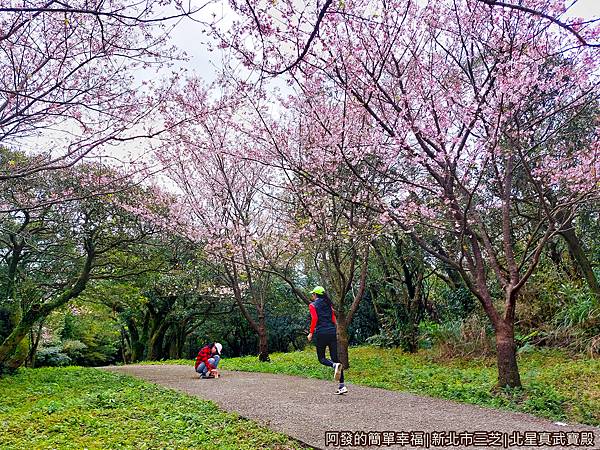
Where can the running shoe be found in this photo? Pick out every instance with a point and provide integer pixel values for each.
(341, 390)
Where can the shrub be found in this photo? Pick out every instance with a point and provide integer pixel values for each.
(469, 337)
(576, 325)
(74, 349)
(52, 357)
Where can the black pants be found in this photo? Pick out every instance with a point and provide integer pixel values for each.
(327, 340)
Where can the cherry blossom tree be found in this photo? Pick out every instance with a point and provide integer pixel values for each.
(278, 37)
(326, 213)
(336, 238)
(72, 79)
(472, 101)
(261, 219)
(223, 198)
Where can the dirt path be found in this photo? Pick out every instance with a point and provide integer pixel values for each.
(306, 409)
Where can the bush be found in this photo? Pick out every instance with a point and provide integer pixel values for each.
(383, 340)
(563, 309)
(396, 334)
(454, 303)
(89, 337)
(74, 349)
(576, 325)
(469, 337)
(52, 357)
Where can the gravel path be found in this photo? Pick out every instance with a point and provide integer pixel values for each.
(306, 409)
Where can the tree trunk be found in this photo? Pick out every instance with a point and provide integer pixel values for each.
(180, 344)
(137, 351)
(177, 341)
(12, 341)
(155, 343)
(263, 340)
(506, 349)
(343, 341)
(412, 338)
(19, 356)
(576, 249)
(123, 346)
(259, 327)
(137, 345)
(34, 341)
(555, 255)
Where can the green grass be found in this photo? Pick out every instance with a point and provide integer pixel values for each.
(77, 408)
(555, 385)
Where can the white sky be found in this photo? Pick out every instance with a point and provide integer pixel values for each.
(586, 8)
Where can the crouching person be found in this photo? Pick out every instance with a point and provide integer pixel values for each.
(208, 359)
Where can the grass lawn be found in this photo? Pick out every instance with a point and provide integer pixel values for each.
(78, 408)
(556, 386)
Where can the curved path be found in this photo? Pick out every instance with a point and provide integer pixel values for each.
(307, 410)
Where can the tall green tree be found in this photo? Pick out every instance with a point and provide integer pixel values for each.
(52, 248)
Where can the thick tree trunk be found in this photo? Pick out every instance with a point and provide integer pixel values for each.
(506, 348)
(181, 344)
(343, 341)
(123, 346)
(10, 345)
(177, 342)
(263, 340)
(136, 344)
(137, 350)
(19, 356)
(155, 343)
(12, 341)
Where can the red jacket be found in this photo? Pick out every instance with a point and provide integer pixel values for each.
(203, 355)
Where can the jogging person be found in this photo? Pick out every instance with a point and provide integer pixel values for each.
(323, 332)
(208, 359)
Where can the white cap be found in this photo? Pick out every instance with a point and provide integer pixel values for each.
(219, 347)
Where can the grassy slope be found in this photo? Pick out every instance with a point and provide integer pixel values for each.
(76, 408)
(556, 386)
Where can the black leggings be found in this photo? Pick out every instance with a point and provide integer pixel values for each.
(327, 340)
